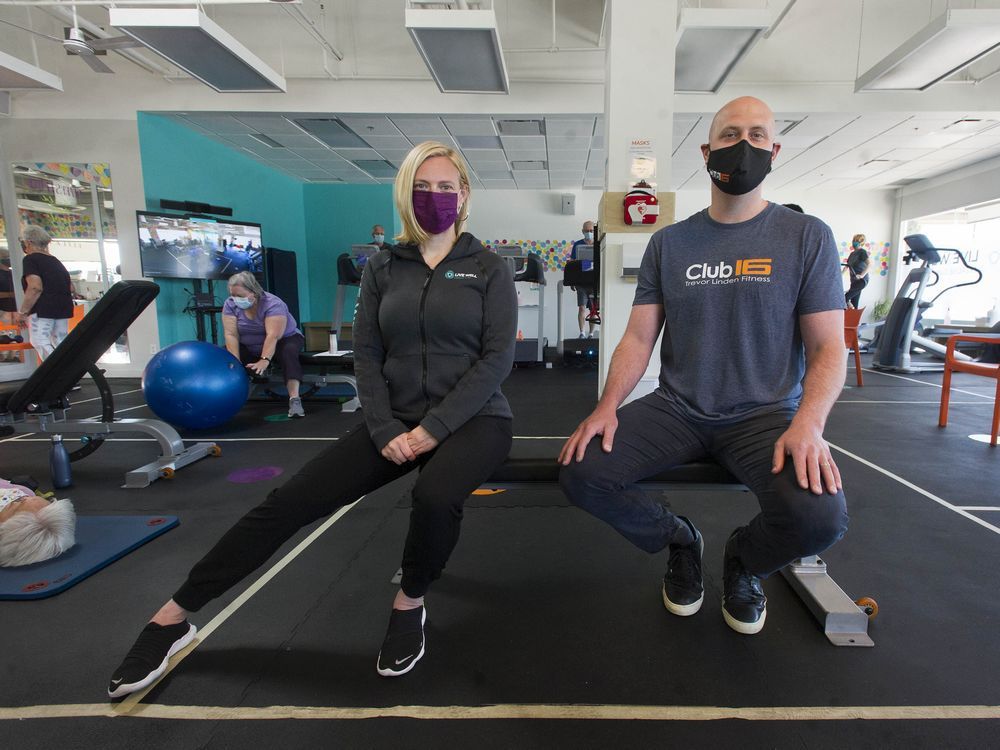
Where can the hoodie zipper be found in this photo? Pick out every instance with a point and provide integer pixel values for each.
(423, 340)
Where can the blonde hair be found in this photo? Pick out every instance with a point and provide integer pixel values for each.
(31, 537)
(860, 238)
(412, 232)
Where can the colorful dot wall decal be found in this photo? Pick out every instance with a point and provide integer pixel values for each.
(552, 253)
(879, 254)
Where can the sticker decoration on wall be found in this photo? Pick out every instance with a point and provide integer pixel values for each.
(553, 253)
(879, 254)
(96, 173)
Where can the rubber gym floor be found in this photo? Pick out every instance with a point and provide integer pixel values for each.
(547, 629)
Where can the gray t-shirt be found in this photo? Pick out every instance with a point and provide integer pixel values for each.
(732, 295)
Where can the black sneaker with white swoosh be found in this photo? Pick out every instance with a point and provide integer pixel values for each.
(404, 642)
(148, 657)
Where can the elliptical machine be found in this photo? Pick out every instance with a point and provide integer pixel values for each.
(900, 331)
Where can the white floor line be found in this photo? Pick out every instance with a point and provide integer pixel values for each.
(98, 398)
(279, 438)
(508, 711)
(979, 508)
(97, 418)
(915, 488)
(921, 382)
(928, 403)
(130, 702)
(26, 438)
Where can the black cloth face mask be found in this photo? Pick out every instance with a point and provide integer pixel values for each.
(739, 168)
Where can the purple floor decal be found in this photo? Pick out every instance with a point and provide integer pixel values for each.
(255, 474)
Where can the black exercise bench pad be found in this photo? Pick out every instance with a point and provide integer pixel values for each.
(546, 470)
(85, 344)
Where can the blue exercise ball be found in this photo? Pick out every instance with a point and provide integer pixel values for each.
(195, 384)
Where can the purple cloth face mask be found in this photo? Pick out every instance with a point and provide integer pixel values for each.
(435, 212)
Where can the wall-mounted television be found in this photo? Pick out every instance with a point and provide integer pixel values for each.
(187, 247)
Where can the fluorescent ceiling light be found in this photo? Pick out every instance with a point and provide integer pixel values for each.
(196, 44)
(17, 74)
(711, 42)
(947, 44)
(461, 48)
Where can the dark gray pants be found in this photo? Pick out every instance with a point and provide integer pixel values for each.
(340, 474)
(654, 435)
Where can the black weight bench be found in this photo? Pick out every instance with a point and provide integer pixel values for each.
(39, 404)
(844, 622)
(333, 370)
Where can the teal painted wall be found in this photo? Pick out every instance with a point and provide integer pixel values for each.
(338, 216)
(180, 164)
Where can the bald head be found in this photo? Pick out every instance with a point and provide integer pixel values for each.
(741, 112)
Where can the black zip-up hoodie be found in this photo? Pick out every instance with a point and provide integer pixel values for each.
(431, 347)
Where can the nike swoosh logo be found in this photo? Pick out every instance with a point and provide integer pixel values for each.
(400, 661)
(116, 682)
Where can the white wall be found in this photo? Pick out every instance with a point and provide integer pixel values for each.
(113, 142)
(535, 215)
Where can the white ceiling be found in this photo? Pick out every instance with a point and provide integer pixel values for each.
(826, 151)
(832, 139)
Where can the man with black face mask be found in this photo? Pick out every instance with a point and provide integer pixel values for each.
(748, 296)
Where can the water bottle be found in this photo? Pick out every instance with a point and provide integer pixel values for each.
(333, 342)
(59, 464)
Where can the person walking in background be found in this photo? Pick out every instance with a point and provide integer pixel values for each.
(48, 293)
(583, 296)
(858, 263)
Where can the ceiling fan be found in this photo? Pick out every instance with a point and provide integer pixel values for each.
(84, 46)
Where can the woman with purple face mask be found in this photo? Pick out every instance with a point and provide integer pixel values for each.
(433, 340)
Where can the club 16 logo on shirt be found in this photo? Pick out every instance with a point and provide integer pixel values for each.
(744, 270)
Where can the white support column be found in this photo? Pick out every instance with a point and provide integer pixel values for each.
(638, 103)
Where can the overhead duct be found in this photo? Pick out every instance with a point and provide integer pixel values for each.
(197, 45)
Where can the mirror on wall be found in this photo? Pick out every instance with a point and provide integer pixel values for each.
(73, 203)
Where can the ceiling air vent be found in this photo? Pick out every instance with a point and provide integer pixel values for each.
(265, 139)
(332, 132)
(527, 166)
(521, 127)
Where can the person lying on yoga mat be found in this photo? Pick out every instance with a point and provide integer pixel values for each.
(746, 296)
(434, 338)
(33, 529)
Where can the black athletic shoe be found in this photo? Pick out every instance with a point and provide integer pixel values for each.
(744, 605)
(683, 591)
(148, 658)
(404, 642)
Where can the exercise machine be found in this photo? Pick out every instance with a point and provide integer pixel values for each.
(901, 332)
(40, 404)
(580, 350)
(349, 268)
(321, 370)
(528, 269)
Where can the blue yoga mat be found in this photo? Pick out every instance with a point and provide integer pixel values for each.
(100, 540)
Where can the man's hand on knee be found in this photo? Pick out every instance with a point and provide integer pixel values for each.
(815, 468)
(598, 423)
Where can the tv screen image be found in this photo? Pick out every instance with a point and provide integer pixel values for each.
(182, 247)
